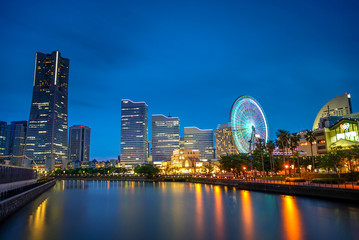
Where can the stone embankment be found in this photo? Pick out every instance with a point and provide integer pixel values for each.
(12, 204)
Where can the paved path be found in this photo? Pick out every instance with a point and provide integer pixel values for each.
(9, 186)
(347, 185)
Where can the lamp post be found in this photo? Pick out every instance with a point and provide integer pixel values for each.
(285, 171)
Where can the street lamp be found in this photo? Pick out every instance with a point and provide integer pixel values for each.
(285, 171)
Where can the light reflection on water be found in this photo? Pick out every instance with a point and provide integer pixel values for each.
(291, 219)
(78, 209)
(37, 221)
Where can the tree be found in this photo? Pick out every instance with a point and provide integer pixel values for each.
(147, 169)
(334, 159)
(310, 137)
(283, 141)
(260, 146)
(270, 148)
(293, 144)
(234, 163)
(353, 154)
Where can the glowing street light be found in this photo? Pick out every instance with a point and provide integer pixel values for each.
(285, 171)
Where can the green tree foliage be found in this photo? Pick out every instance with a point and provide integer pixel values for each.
(310, 137)
(149, 170)
(261, 146)
(234, 163)
(270, 149)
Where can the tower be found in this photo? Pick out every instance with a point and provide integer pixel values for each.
(46, 141)
(165, 137)
(195, 138)
(134, 132)
(79, 146)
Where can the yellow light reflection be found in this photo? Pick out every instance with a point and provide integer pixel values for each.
(247, 215)
(37, 221)
(199, 211)
(219, 218)
(291, 218)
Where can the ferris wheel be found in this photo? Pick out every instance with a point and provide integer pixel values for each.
(248, 123)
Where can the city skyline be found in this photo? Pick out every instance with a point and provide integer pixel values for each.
(199, 64)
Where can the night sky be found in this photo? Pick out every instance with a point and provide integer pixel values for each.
(189, 58)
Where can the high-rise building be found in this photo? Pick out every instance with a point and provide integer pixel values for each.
(165, 137)
(3, 142)
(79, 147)
(224, 141)
(195, 138)
(46, 141)
(16, 141)
(338, 106)
(134, 132)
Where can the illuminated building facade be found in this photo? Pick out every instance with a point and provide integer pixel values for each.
(343, 133)
(224, 143)
(46, 141)
(338, 106)
(3, 137)
(195, 138)
(165, 137)
(304, 146)
(16, 141)
(79, 147)
(185, 158)
(134, 132)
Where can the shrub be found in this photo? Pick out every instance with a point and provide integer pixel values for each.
(288, 179)
(328, 180)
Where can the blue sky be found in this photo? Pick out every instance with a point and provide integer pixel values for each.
(189, 58)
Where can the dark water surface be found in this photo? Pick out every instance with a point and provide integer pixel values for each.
(138, 210)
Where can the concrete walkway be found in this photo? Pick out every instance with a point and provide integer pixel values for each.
(9, 186)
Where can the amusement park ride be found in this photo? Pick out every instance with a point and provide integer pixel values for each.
(248, 123)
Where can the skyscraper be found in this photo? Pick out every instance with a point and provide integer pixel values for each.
(134, 132)
(16, 141)
(79, 147)
(195, 138)
(3, 142)
(46, 141)
(165, 137)
(224, 141)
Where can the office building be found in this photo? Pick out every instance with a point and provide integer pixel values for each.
(16, 142)
(195, 138)
(46, 141)
(337, 107)
(224, 143)
(165, 137)
(3, 142)
(79, 147)
(134, 132)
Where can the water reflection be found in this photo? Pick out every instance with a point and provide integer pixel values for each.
(219, 213)
(37, 221)
(291, 218)
(199, 211)
(175, 211)
(247, 215)
(74, 184)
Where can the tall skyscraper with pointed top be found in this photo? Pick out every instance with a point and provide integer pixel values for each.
(46, 141)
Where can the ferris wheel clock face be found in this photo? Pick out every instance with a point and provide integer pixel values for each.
(247, 121)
